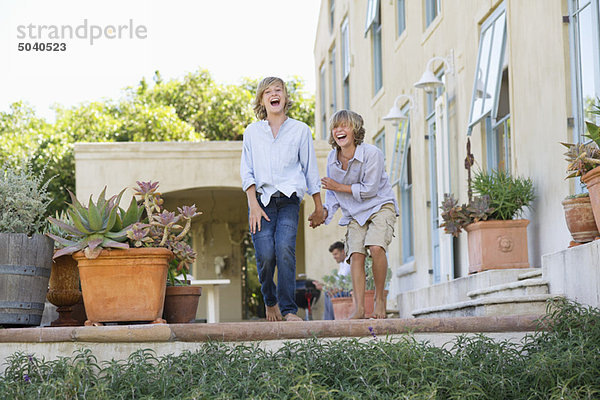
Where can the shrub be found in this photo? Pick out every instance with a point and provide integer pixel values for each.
(23, 199)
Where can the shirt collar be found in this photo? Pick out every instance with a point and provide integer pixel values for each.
(359, 155)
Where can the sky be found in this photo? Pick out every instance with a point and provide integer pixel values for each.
(232, 39)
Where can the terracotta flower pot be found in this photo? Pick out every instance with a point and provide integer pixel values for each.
(580, 219)
(64, 290)
(592, 181)
(497, 244)
(181, 304)
(343, 307)
(124, 285)
(369, 302)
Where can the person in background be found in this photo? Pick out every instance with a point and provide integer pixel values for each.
(339, 255)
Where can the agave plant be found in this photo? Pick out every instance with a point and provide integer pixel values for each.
(92, 228)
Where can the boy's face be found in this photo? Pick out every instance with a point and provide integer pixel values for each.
(274, 99)
(343, 135)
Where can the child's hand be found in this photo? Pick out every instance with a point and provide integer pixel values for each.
(330, 184)
(317, 217)
(256, 214)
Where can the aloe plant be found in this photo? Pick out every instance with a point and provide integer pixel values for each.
(92, 228)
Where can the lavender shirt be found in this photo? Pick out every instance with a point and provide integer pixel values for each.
(371, 188)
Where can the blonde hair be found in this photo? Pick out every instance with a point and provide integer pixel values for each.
(350, 119)
(259, 109)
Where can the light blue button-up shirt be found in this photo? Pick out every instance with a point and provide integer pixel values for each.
(371, 188)
(286, 163)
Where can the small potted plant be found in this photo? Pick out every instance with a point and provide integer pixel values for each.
(123, 256)
(25, 254)
(181, 299)
(579, 215)
(339, 288)
(495, 238)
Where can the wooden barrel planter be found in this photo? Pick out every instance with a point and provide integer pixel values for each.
(25, 264)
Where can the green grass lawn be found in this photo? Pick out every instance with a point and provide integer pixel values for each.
(559, 362)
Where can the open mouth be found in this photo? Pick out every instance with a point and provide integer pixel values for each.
(341, 136)
(275, 102)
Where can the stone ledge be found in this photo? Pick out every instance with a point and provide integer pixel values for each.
(258, 331)
(531, 274)
(539, 298)
(505, 286)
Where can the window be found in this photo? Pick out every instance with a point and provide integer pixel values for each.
(432, 10)
(401, 175)
(346, 64)
(490, 99)
(333, 80)
(401, 16)
(373, 23)
(379, 142)
(585, 60)
(331, 14)
(322, 84)
(492, 43)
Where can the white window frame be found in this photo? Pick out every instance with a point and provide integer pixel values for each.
(372, 15)
(433, 8)
(345, 63)
(577, 100)
(484, 81)
(379, 142)
(400, 176)
(400, 16)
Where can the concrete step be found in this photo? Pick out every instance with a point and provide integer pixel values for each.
(532, 274)
(524, 287)
(493, 306)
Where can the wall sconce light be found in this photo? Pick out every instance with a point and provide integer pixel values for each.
(429, 82)
(395, 115)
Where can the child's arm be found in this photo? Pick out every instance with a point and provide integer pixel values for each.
(367, 186)
(249, 186)
(308, 160)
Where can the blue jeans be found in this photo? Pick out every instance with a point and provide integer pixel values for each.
(275, 244)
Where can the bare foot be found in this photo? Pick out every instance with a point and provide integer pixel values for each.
(273, 313)
(379, 312)
(292, 317)
(358, 314)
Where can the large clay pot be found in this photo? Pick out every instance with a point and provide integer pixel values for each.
(124, 285)
(580, 219)
(343, 307)
(181, 304)
(63, 289)
(592, 181)
(497, 245)
(25, 264)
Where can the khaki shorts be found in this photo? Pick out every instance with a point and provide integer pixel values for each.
(377, 231)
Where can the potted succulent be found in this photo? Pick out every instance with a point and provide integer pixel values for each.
(123, 255)
(495, 239)
(25, 254)
(181, 299)
(579, 215)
